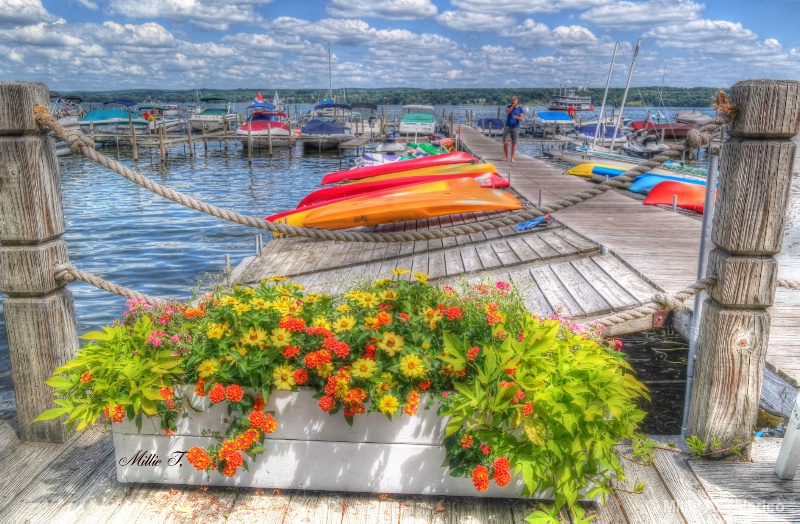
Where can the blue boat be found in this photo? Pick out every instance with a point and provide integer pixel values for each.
(644, 183)
(115, 118)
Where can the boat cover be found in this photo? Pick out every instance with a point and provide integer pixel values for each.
(486, 123)
(606, 131)
(550, 117)
(334, 104)
(321, 127)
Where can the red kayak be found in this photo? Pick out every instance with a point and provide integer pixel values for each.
(395, 167)
(690, 196)
(349, 190)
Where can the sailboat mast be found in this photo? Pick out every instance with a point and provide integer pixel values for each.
(603, 106)
(330, 74)
(625, 94)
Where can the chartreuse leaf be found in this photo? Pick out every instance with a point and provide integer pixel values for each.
(97, 335)
(453, 426)
(50, 414)
(58, 382)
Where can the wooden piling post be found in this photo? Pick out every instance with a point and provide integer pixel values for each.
(752, 200)
(189, 138)
(39, 311)
(134, 149)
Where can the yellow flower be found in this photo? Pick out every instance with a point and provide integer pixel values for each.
(368, 300)
(287, 306)
(388, 404)
(207, 368)
(254, 337)
(386, 383)
(345, 323)
(314, 297)
(215, 330)
(249, 291)
(422, 278)
(325, 370)
(363, 368)
(283, 291)
(344, 308)
(242, 351)
(412, 366)
(228, 300)
(280, 337)
(276, 278)
(371, 323)
(321, 322)
(382, 281)
(241, 308)
(389, 295)
(432, 316)
(297, 286)
(399, 271)
(284, 377)
(425, 345)
(260, 303)
(391, 343)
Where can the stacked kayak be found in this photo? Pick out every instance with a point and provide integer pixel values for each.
(396, 167)
(690, 196)
(400, 204)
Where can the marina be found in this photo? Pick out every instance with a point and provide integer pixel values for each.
(578, 265)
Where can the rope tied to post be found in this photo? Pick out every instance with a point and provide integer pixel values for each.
(69, 273)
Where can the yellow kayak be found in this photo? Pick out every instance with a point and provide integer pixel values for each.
(585, 170)
(443, 197)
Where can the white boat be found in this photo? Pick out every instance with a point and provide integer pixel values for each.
(333, 110)
(417, 120)
(68, 110)
(115, 118)
(692, 116)
(563, 101)
(216, 114)
(162, 116)
(554, 122)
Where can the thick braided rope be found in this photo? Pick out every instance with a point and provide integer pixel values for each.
(791, 284)
(659, 302)
(82, 145)
(69, 273)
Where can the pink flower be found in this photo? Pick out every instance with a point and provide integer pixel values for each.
(175, 338)
(502, 285)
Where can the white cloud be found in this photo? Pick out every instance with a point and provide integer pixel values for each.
(144, 35)
(703, 34)
(527, 29)
(23, 12)
(86, 4)
(205, 14)
(515, 7)
(391, 9)
(470, 21)
(630, 14)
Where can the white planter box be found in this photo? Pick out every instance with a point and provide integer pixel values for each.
(310, 450)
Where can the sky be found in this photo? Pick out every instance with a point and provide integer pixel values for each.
(267, 45)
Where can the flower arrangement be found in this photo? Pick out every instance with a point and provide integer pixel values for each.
(525, 396)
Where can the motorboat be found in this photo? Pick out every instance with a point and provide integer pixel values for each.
(116, 117)
(643, 145)
(563, 101)
(217, 114)
(322, 134)
(166, 116)
(557, 122)
(264, 124)
(490, 126)
(692, 116)
(417, 120)
(68, 111)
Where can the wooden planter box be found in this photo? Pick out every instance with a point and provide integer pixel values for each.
(310, 450)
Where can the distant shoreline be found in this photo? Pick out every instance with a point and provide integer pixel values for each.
(641, 96)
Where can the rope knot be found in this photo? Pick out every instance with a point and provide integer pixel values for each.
(723, 105)
(695, 139)
(672, 303)
(65, 273)
(77, 141)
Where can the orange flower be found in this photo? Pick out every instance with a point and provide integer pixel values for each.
(480, 478)
(301, 376)
(198, 458)
(86, 377)
(165, 392)
(259, 404)
(527, 409)
(200, 387)
(466, 441)
(327, 403)
(234, 393)
(217, 393)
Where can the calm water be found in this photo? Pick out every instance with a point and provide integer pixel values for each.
(132, 237)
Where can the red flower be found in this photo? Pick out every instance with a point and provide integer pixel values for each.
(480, 478)
(301, 376)
(473, 352)
(453, 313)
(327, 403)
(485, 449)
(318, 331)
(502, 478)
(170, 403)
(312, 360)
(291, 351)
(259, 404)
(86, 377)
(198, 458)
(527, 409)
(217, 393)
(502, 464)
(425, 385)
(165, 392)
(292, 324)
(234, 393)
(168, 432)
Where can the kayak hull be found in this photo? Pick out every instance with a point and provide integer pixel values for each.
(690, 196)
(395, 167)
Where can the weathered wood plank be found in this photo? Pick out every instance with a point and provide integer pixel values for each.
(505, 253)
(542, 249)
(561, 246)
(612, 292)
(682, 484)
(590, 301)
(370, 508)
(555, 293)
(622, 275)
(575, 240)
(436, 265)
(316, 507)
(453, 263)
(489, 260)
(262, 506)
(522, 249)
(532, 295)
(655, 505)
(471, 259)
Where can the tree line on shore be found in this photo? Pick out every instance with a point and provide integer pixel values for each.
(641, 96)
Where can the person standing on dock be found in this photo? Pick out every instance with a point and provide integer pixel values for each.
(511, 130)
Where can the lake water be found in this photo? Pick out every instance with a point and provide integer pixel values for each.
(130, 236)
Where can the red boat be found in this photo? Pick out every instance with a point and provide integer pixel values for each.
(396, 167)
(690, 196)
(489, 179)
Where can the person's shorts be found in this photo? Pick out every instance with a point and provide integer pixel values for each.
(510, 133)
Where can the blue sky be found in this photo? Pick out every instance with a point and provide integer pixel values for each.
(274, 44)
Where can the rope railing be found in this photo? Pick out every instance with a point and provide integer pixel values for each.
(69, 273)
(789, 284)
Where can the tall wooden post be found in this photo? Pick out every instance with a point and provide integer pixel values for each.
(40, 313)
(752, 199)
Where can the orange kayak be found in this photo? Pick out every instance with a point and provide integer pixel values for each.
(371, 185)
(466, 169)
(444, 197)
(690, 196)
(458, 157)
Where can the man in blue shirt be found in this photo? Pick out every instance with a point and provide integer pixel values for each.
(511, 130)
